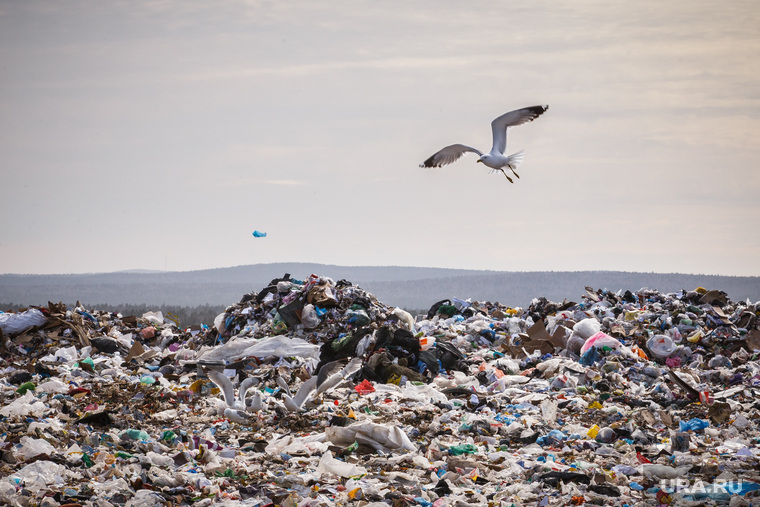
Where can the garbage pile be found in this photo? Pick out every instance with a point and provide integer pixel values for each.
(314, 393)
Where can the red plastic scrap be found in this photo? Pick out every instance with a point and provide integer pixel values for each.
(78, 390)
(663, 498)
(365, 387)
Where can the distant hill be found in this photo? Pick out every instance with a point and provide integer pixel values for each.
(408, 287)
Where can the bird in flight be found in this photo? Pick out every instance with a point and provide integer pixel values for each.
(495, 159)
(236, 410)
(329, 375)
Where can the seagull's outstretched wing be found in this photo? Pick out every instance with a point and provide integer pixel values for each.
(282, 384)
(352, 367)
(333, 373)
(448, 155)
(328, 370)
(511, 119)
(244, 386)
(224, 384)
(295, 404)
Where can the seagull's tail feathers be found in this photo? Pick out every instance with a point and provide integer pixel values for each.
(514, 160)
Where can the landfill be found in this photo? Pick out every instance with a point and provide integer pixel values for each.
(314, 393)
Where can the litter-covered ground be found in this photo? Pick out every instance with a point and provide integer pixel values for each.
(312, 392)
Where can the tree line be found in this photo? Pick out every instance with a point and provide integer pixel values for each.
(187, 315)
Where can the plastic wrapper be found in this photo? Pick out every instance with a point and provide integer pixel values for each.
(14, 323)
(329, 465)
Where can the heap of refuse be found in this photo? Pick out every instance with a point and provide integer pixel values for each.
(312, 392)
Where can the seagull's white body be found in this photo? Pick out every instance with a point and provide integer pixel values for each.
(294, 404)
(495, 159)
(329, 376)
(235, 408)
(256, 404)
(332, 374)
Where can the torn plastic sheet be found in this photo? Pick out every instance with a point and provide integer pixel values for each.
(275, 346)
(378, 436)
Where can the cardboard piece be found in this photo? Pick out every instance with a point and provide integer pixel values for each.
(135, 351)
(537, 338)
(714, 296)
(139, 354)
(753, 340)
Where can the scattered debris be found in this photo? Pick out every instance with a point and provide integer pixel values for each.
(622, 399)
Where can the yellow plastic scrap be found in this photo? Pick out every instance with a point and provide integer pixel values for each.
(700, 290)
(695, 336)
(196, 386)
(593, 431)
(596, 405)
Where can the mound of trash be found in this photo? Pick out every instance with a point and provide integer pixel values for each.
(314, 393)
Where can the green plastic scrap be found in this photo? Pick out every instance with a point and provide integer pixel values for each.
(26, 386)
(341, 342)
(458, 450)
(447, 310)
(135, 434)
(168, 435)
(230, 473)
(88, 361)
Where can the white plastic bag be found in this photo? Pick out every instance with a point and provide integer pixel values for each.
(309, 317)
(31, 447)
(587, 328)
(330, 465)
(661, 346)
(26, 405)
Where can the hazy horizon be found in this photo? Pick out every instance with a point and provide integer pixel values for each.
(149, 271)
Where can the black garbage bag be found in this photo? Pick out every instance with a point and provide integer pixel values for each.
(554, 478)
(341, 346)
(291, 312)
(436, 306)
(404, 339)
(451, 358)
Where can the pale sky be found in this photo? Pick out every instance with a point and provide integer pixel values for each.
(161, 134)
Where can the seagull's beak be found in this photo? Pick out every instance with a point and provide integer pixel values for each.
(480, 160)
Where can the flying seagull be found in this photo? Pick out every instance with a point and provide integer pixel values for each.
(236, 409)
(333, 373)
(495, 159)
(329, 375)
